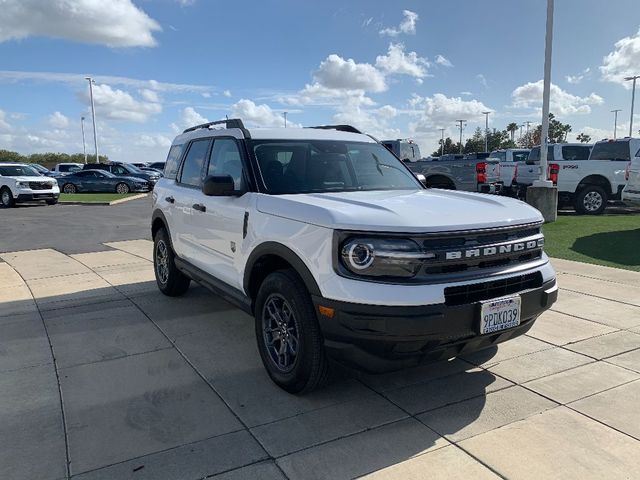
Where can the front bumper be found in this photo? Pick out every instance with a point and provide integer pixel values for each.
(378, 338)
(37, 196)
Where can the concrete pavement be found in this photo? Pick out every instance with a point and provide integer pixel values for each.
(102, 377)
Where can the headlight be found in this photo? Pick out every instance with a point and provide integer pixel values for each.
(383, 257)
(22, 184)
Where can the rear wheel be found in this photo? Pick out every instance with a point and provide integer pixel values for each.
(122, 188)
(171, 281)
(591, 200)
(69, 188)
(288, 335)
(6, 198)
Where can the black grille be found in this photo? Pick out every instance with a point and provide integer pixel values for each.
(39, 186)
(477, 292)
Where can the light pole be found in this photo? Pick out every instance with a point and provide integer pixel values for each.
(460, 122)
(521, 125)
(442, 142)
(615, 121)
(527, 123)
(93, 115)
(284, 114)
(544, 136)
(633, 98)
(84, 146)
(486, 131)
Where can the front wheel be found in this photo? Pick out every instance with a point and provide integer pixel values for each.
(122, 188)
(288, 335)
(591, 200)
(69, 188)
(171, 281)
(6, 198)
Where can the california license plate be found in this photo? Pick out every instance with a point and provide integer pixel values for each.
(500, 314)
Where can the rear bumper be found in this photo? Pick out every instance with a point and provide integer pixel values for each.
(34, 197)
(384, 338)
(495, 187)
(631, 196)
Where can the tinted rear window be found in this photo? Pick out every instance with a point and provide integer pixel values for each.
(611, 151)
(576, 152)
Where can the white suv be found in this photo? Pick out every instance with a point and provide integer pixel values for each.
(339, 251)
(22, 183)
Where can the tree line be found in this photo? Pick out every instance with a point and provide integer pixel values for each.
(502, 139)
(48, 159)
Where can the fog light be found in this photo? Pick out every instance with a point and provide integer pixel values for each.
(326, 311)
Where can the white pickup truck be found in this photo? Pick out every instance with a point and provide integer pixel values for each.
(631, 192)
(508, 160)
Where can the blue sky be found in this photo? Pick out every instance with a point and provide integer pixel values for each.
(392, 69)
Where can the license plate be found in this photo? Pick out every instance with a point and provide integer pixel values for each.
(500, 314)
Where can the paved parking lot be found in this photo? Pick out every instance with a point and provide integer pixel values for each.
(101, 377)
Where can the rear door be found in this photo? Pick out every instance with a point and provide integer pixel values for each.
(185, 195)
(219, 228)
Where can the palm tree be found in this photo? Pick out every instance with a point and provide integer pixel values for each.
(512, 128)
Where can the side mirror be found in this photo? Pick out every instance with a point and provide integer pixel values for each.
(422, 179)
(530, 162)
(218, 186)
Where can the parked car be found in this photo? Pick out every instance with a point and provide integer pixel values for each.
(154, 171)
(126, 170)
(631, 192)
(22, 183)
(67, 167)
(139, 164)
(405, 150)
(472, 172)
(42, 170)
(157, 165)
(587, 176)
(338, 251)
(507, 166)
(101, 181)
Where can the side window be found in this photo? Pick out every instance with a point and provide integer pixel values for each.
(550, 154)
(191, 173)
(173, 162)
(118, 170)
(225, 159)
(575, 153)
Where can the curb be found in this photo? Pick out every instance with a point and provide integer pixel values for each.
(113, 202)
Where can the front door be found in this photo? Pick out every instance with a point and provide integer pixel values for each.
(219, 226)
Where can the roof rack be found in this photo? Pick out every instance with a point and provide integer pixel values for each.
(340, 128)
(229, 123)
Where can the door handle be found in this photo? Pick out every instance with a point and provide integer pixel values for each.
(199, 207)
(170, 199)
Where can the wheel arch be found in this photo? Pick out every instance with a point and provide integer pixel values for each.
(269, 257)
(158, 221)
(439, 179)
(595, 179)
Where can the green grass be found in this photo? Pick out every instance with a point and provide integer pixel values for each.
(611, 240)
(93, 197)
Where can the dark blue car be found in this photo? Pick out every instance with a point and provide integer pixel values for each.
(101, 181)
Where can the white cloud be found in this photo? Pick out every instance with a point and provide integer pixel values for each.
(440, 60)
(191, 118)
(152, 140)
(482, 79)
(4, 125)
(440, 110)
(623, 61)
(259, 115)
(575, 79)
(407, 26)
(337, 73)
(79, 79)
(227, 93)
(115, 23)
(595, 133)
(58, 120)
(118, 104)
(374, 121)
(466, 93)
(319, 95)
(396, 61)
(150, 95)
(561, 102)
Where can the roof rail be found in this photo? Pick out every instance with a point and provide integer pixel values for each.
(229, 123)
(340, 128)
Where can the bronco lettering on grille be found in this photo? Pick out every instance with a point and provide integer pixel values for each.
(494, 250)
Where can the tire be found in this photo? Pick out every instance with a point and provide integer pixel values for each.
(591, 200)
(122, 188)
(300, 364)
(69, 188)
(171, 281)
(52, 202)
(6, 198)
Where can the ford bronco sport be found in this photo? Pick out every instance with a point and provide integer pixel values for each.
(340, 252)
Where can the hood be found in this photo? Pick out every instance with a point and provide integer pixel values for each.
(412, 211)
(40, 178)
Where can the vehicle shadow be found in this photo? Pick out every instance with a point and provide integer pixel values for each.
(618, 247)
(126, 341)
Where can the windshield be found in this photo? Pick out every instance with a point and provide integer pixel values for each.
(502, 156)
(18, 171)
(610, 151)
(329, 166)
(131, 168)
